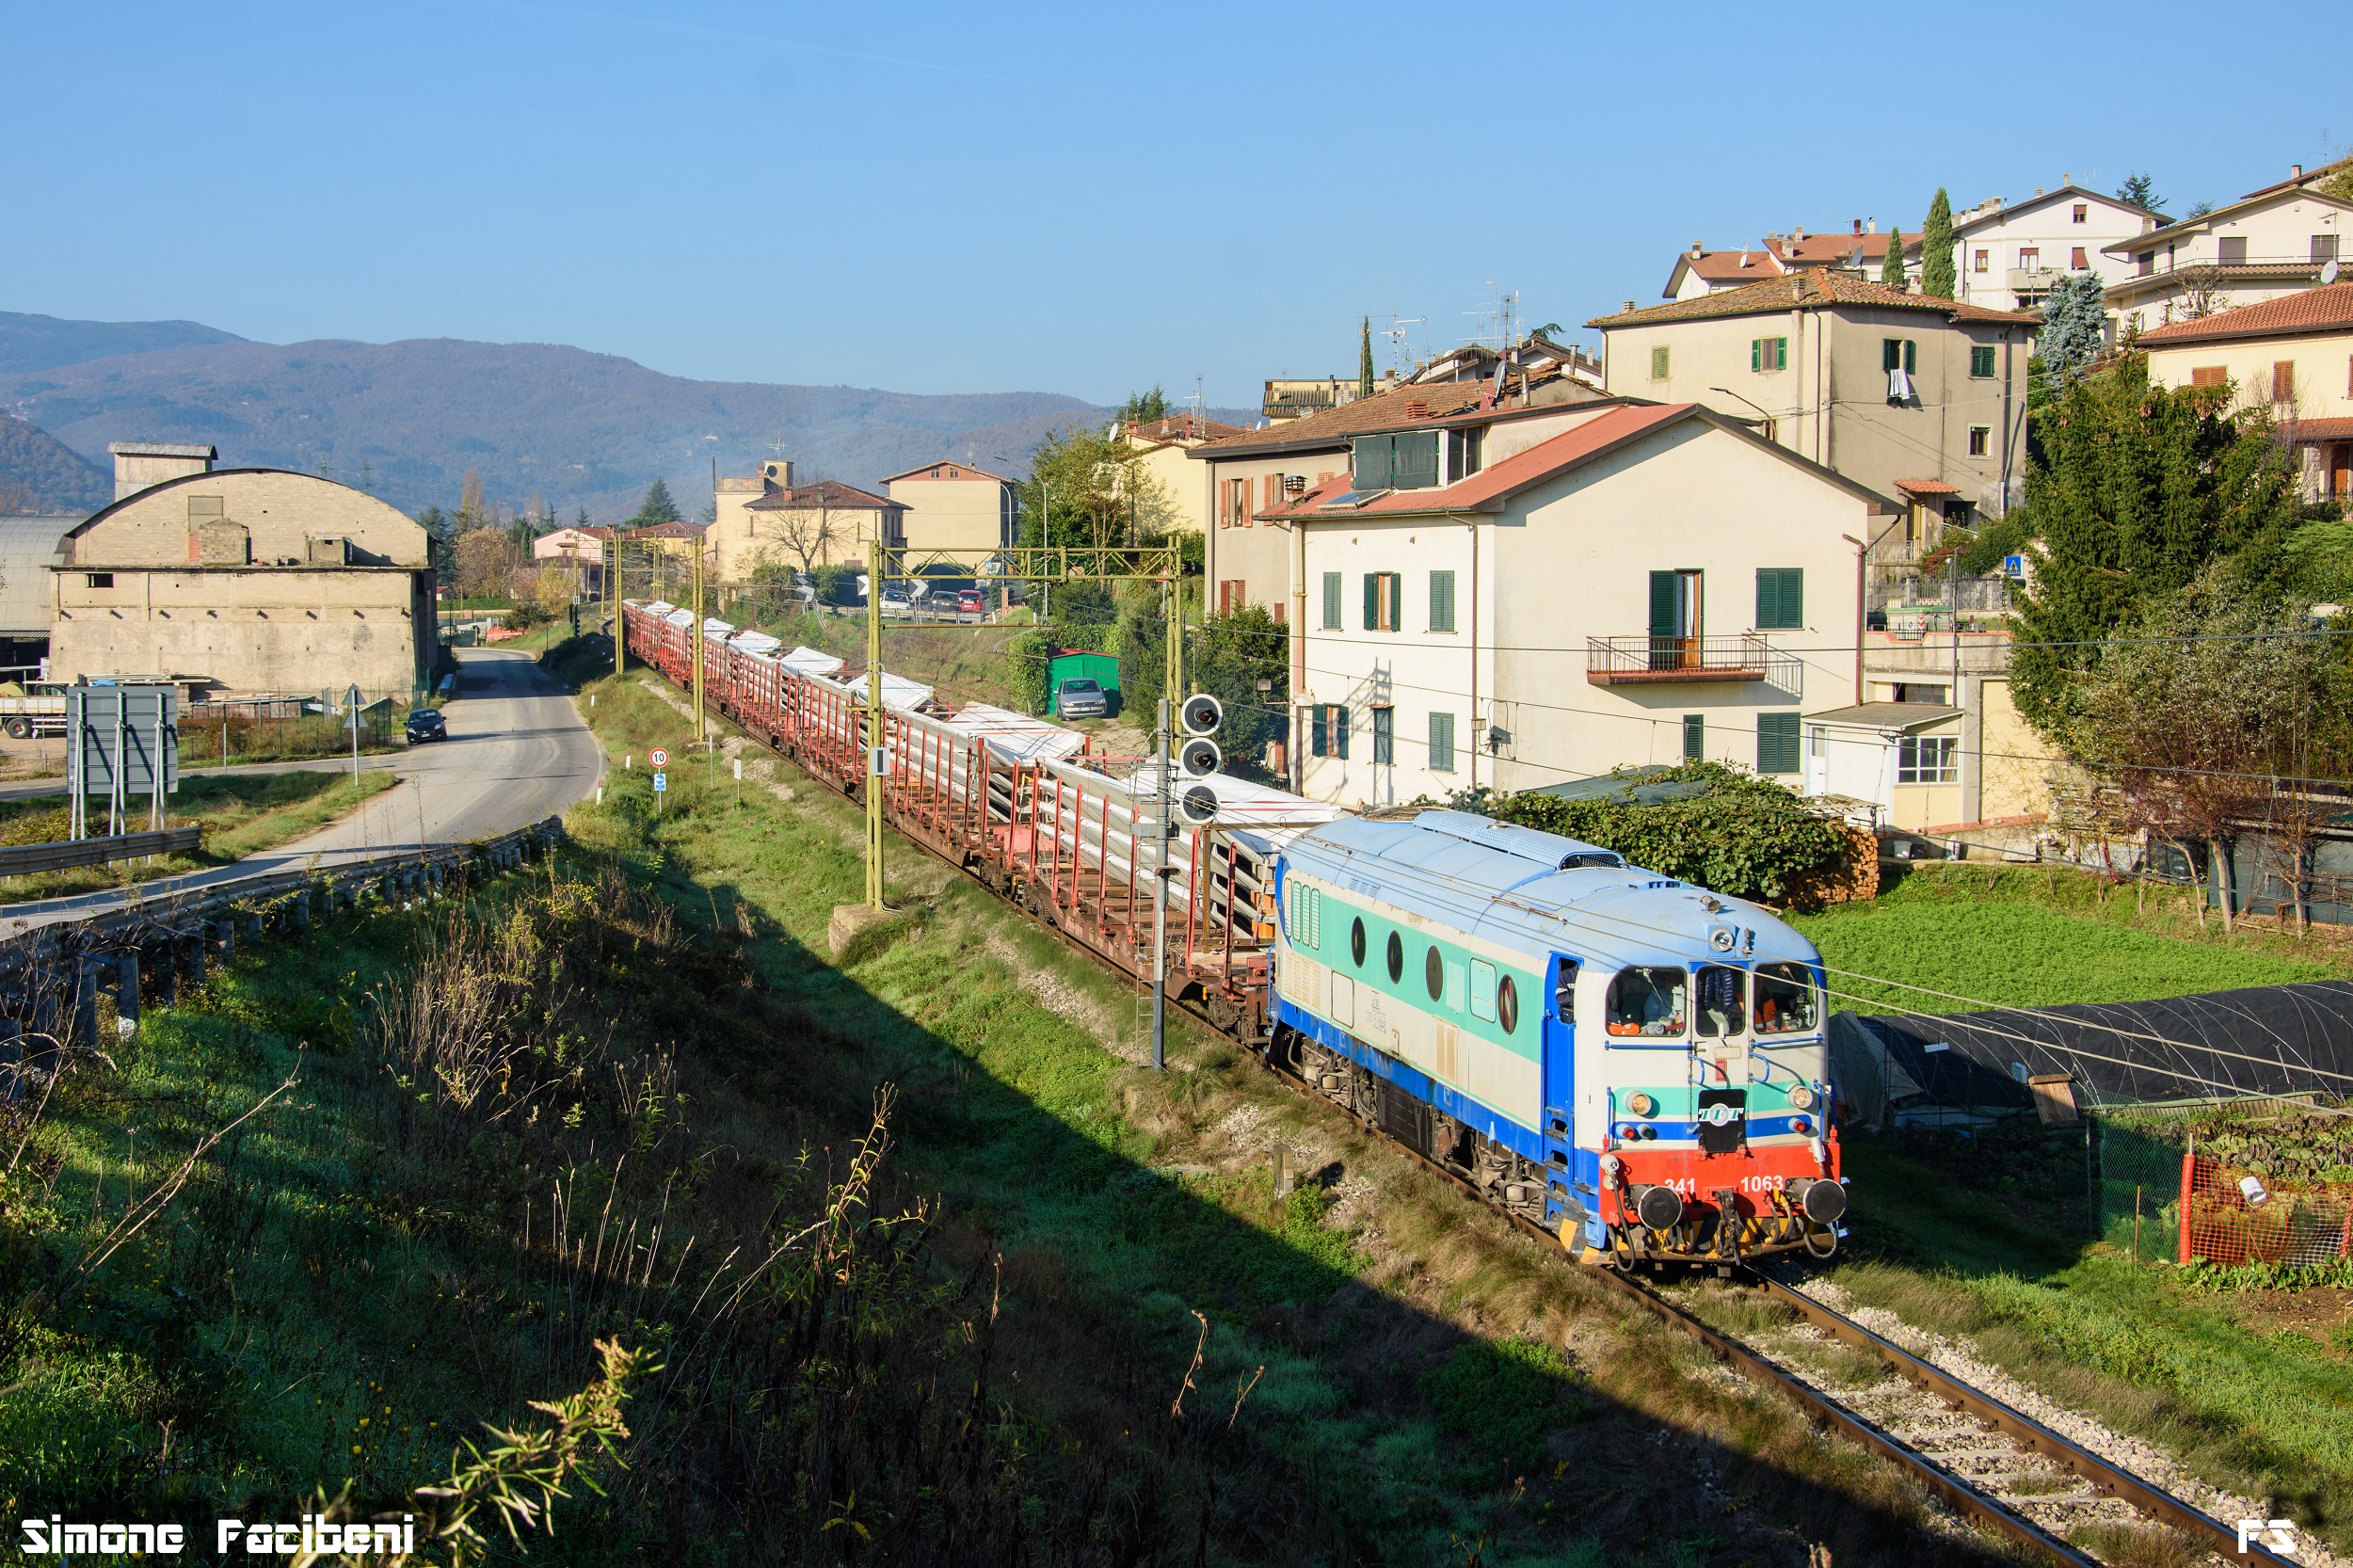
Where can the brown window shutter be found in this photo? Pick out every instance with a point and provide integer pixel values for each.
(2282, 380)
(2208, 375)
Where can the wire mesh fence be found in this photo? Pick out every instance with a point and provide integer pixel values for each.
(2255, 1182)
(287, 728)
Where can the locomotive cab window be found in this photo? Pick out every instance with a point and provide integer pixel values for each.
(1723, 1002)
(1647, 1002)
(1564, 992)
(1786, 1003)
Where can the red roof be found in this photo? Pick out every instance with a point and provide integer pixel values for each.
(2306, 178)
(1925, 487)
(1810, 288)
(1398, 407)
(2316, 309)
(1183, 427)
(681, 529)
(825, 492)
(2319, 429)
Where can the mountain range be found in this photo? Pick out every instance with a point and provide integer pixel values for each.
(407, 420)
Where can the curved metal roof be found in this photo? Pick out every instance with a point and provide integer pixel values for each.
(29, 548)
(1507, 884)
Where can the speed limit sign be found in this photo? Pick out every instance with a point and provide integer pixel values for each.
(661, 759)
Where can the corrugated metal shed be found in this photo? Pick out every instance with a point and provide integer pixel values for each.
(27, 547)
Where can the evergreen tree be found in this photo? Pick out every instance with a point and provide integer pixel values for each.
(1143, 408)
(2141, 191)
(2074, 325)
(2137, 489)
(1892, 271)
(581, 522)
(1364, 363)
(1937, 276)
(656, 509)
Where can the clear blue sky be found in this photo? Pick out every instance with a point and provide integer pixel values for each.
(1083, 200)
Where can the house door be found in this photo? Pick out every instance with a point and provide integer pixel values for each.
(1816, 761)
(1674, 619)
(2340, 471)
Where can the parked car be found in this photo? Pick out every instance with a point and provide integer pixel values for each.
(971, 602)
(426, 724)
(1082, 696)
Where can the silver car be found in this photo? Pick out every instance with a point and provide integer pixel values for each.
(1082, 696)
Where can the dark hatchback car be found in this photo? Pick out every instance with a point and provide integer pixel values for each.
(426, 724)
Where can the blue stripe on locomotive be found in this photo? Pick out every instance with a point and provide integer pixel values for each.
(1539, 897)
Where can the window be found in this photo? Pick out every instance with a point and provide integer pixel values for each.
(1981, 359)
(1982, 261)
(2148, 264)
(1484, 991)
(2283, 382)
(1441, 602)
(1232, 593)
(1647, 1001)
(1384, 736)
(1694, 737)
(1914, 691)
(1767, 354)
(2077, 259)
(1465, 450)
(2210, 375)
(2029, 257)
(1396, 956)
(1331, 601)
(1237, 513)
(1980, 441)
(2231, 250)
(1786, 1002)
(99, 579)
(1780, 598)
(1777, 743)
(1899, 354)
(1441, 743)
(1927, 760)
(1724, 1000)
(2083, 212)
(1407, 462)
(1659, 364)
(1564, 992)
(2324, 250)
(1327, 730)
(1381, 597)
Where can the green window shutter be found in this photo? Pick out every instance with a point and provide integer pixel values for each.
(1385, 735)
(1372, 602)
(1441, 743)
(1663, 604)
(1757, 354)
(1694, 737)
(1318, 730)
(1891, 353)
(1776, 742)
(1781, 353)
(1981, 361)
(1767, 596)
(1659, 362)
(1441, 602)
(1912, 358)
(1331, 601)
(1340, 733)
(1780, 598)
(1793, 596)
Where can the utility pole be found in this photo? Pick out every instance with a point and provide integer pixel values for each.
(696, 627)
(613, 596)
(873, 722)
(1163, 828)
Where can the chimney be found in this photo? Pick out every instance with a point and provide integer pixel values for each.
(141, 464)
(1695, 247)
(1629, 305)
(1858, 226)
(2296, 171)
(1797, 235)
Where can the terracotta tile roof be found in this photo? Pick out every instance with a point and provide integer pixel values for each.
(1925, 487)
(1733, 265)
(2314, 309)
(964, 471)
(2319, 429)
(825, 492)
(1487, 490)
(1810, 288)
(681, 529)
(2308, 177)
(1833, 248)
(1184, 428)
(1404, 406)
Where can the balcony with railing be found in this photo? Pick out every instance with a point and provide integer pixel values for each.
(1647, 660)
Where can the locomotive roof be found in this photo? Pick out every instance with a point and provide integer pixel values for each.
(1534, 891)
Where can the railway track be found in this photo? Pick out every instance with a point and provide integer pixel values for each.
(2013, 1494)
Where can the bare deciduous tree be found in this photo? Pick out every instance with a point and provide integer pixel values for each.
(485, 563)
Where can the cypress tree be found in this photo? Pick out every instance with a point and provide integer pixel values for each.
(1364, 363)
(1937, 274)
(1891, 273)
(656, 509)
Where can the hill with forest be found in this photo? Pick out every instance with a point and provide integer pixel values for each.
(40, 473)
(37, 343)
(576, 429)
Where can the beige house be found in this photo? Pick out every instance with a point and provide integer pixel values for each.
(826, 523)
(1163, 448)
(1582, 599)
(2006, 255)
(241, 580)
(1919, 399)
(2269, 242)
(952, 505)
(730, 532)
(1248, 480)
(2293, 355)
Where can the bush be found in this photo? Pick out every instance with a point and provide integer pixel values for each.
(1502, 1396)
(1749, 837)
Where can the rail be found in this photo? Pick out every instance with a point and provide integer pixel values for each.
(67, 854)
(1633, 661)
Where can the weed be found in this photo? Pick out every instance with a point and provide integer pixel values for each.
(1503, 1396)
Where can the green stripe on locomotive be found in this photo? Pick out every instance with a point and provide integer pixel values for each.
(1466, 997)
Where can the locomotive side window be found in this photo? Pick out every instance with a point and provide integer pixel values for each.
(1786, 1002)
(1356, 942)
(1433, 974)
(1647, 1001)
(1564, 992)
(1724, 1000)
(1397, 958)
(1508, 1004)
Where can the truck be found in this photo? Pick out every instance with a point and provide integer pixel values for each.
(39, 709)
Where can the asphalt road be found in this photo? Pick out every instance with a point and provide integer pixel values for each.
(517, 752)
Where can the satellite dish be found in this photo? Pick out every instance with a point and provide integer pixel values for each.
(1200, 757)
(2328, 273)
(1198, 806)
(1201, 715)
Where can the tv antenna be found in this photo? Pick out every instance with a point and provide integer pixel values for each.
(1401, 352)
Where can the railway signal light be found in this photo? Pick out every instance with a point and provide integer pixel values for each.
(1200, 757)
(1197, 806)
(1201, 715)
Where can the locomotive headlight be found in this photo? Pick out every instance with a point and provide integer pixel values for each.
(1642, 1105)
(1610, 1166)
(1802, 1097)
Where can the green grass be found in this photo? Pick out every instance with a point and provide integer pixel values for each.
(241, 814)
(2022, 938)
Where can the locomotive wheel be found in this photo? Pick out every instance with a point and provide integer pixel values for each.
(1224, 1012)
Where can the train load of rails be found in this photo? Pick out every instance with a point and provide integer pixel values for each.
(1635, 1065)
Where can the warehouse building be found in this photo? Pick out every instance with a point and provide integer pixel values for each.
(241, 580)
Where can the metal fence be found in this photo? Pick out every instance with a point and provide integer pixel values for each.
(286, 727)
(2158, 1197)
